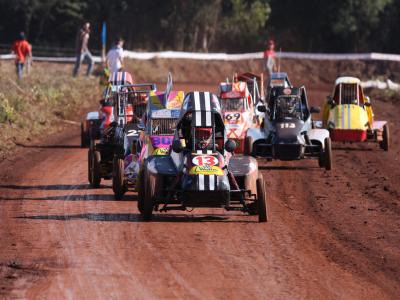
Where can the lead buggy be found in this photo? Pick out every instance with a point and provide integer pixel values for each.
(200, 170)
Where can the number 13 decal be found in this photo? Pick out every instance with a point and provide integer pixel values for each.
(205, 160)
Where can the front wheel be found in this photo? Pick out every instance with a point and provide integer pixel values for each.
(328, 154)
(149, 195)
(140, 189)
(384, 144)
(85, 139)
(261, 202)
(118, 180)
(95, 168)
(248, 146)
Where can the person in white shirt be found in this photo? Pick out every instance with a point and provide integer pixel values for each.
(115, 56)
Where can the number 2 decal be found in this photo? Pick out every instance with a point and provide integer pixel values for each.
(132, 132)
(288, 125)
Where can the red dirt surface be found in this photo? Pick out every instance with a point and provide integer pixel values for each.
(330, 235)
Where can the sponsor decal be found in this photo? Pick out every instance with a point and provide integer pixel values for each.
(161, 113)
(232, 94)
(163, 141)
(206, 170)
(205, 160)
(160, 151)
(233, 117)
(288, 125)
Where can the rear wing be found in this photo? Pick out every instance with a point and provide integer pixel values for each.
(135, 95)
(255, 84)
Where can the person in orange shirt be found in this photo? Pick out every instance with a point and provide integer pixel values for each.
(22, 50)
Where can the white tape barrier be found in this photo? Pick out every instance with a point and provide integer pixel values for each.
(382, 85)
(230, 57)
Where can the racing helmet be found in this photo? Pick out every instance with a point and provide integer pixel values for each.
(203, 137)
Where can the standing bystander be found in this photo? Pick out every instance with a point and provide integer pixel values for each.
(22, 50)
(269, 58)
(82, 50)
(115, 56)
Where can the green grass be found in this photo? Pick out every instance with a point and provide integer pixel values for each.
(40, 102)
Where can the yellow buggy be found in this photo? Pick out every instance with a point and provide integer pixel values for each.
(349, 117)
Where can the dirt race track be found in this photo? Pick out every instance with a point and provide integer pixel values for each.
(331, 235)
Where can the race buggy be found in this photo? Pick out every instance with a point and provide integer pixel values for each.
(158, 127)
(238, 106)
(288, 132)
(200, 170)
(349, 117)
(97, 121)
(128, 103)
(278, 79)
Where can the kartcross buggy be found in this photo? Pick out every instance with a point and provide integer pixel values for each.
(97, 121)
(200, 170)
(158, 125)
(238, 103)
(349, 117)
(129, 104)
(288, 132)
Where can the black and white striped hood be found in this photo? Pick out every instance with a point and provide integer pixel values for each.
(202, 104)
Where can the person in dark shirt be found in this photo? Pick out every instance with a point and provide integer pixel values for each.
(82, 50)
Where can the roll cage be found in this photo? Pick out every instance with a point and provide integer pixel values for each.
(288, 103)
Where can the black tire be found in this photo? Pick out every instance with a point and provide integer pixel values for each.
(140, 189)
(95, 168)
(385, 143)
(248, 146)
(328, 154)
(149, 193)
(89, 164)
(84, 137)
(261, 202)
(321, 158)
(118, 180)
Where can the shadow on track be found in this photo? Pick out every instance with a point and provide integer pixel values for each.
(157, 218)
(89, 197)
(288, 168)
(51, 187)
(49, 146)
(353, 149)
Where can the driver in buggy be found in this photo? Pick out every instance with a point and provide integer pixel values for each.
(203, 138)
(289, 107)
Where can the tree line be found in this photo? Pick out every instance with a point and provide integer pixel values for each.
(210, 25)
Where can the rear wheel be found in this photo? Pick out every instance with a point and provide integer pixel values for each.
(261, 202)
(89, 165)
(141, 191)
(328, 154)
(321, 158)
(118, 180)
(248, 146)
(95, 168)
(84, 137)
(149, 194)
(384, 144)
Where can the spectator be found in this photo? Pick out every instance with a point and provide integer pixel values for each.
(269, 58)
(115, 56)
(22, 50)
(82, 50)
